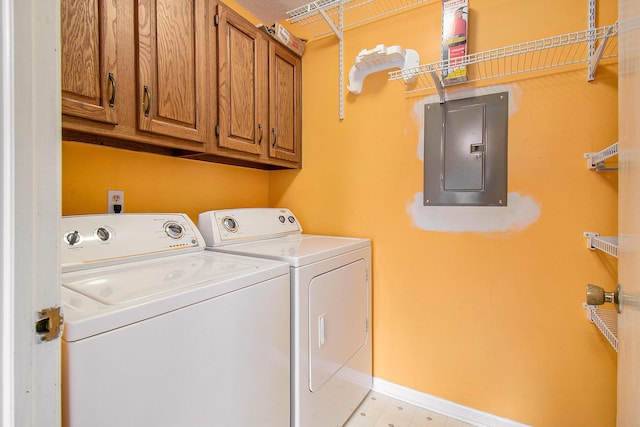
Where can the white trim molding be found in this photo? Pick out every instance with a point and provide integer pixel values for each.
(7, 286)
(442, 406)
(30, 123)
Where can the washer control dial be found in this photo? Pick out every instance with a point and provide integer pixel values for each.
(174, 230)
(103, 233)
(73, 237)
(230, 224)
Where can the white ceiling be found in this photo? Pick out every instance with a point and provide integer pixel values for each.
(270, 11)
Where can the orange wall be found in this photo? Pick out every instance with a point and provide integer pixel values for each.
(490, 320)
(154, 183)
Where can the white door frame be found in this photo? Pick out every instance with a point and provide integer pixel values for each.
(29, 215)
(628, 392)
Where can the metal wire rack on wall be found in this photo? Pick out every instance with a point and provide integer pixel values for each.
(597, 160)
(606, 321)
(316, 15)
(325, 17)
(537, 55)
(322, 18)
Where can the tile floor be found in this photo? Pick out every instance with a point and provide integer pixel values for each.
(379, 410)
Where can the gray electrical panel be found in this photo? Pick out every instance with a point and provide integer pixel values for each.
(465, 151)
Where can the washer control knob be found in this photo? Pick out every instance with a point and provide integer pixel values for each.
(73, 237)
(281, 218)
(174, 230)
(291, 219)
(103, 234)
(230, 224)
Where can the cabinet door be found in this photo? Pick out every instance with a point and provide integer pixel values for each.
(172, 68)
(242, 83)
(88, 46)
(285, 115)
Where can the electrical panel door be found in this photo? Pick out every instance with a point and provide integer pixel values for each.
(465, 152)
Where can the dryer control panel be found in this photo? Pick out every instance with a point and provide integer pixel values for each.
(222, 227)
(90, 241)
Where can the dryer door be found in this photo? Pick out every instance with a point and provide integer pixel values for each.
(337, 320)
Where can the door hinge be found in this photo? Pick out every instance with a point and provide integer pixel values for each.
(49, 324)
(217, 130)
(216, 20)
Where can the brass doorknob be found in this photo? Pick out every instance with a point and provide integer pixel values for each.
(597, 296)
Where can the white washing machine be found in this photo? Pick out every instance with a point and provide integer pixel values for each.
(159, 332)
(330, 306)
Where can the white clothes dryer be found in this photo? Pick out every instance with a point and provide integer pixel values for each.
(330, 306)
(159, 332)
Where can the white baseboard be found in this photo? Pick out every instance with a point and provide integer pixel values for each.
(445, 407)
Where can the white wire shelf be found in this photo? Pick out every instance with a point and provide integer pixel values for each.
(606, 321)
(313, 16)
(597, 160)
(543, 54)
(607, 244)
(325, 17)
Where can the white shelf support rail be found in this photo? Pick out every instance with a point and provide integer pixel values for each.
(591, 47)
(337, 29)
(340, 59)
(594, 55)
(597, 160)
(355, 12)
(437, 83)
(594, 60)
(543, 54)
(606, 321)
(340, 15)
(607, 244)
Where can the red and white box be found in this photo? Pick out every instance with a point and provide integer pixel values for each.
(455, 24)
(284, 36)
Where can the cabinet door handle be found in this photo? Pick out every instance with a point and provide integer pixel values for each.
(112, 100)
(275, 137)
(147, 93)
(260, 137)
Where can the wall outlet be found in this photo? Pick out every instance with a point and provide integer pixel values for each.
(115, 201)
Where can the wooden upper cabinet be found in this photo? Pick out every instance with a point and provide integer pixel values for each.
(196, 79)
(89, 71)
(285, 115)
(242, 84)
(173, 90)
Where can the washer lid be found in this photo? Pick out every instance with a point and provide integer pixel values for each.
(106, 298)
(132, 282)
(298, 249)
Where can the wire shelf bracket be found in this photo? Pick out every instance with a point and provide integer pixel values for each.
(325, 17)
(313, 16)
(597, 160)
(606, 321)
(538, 55)
(606, 244)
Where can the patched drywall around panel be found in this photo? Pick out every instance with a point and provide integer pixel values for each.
(521, 210)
